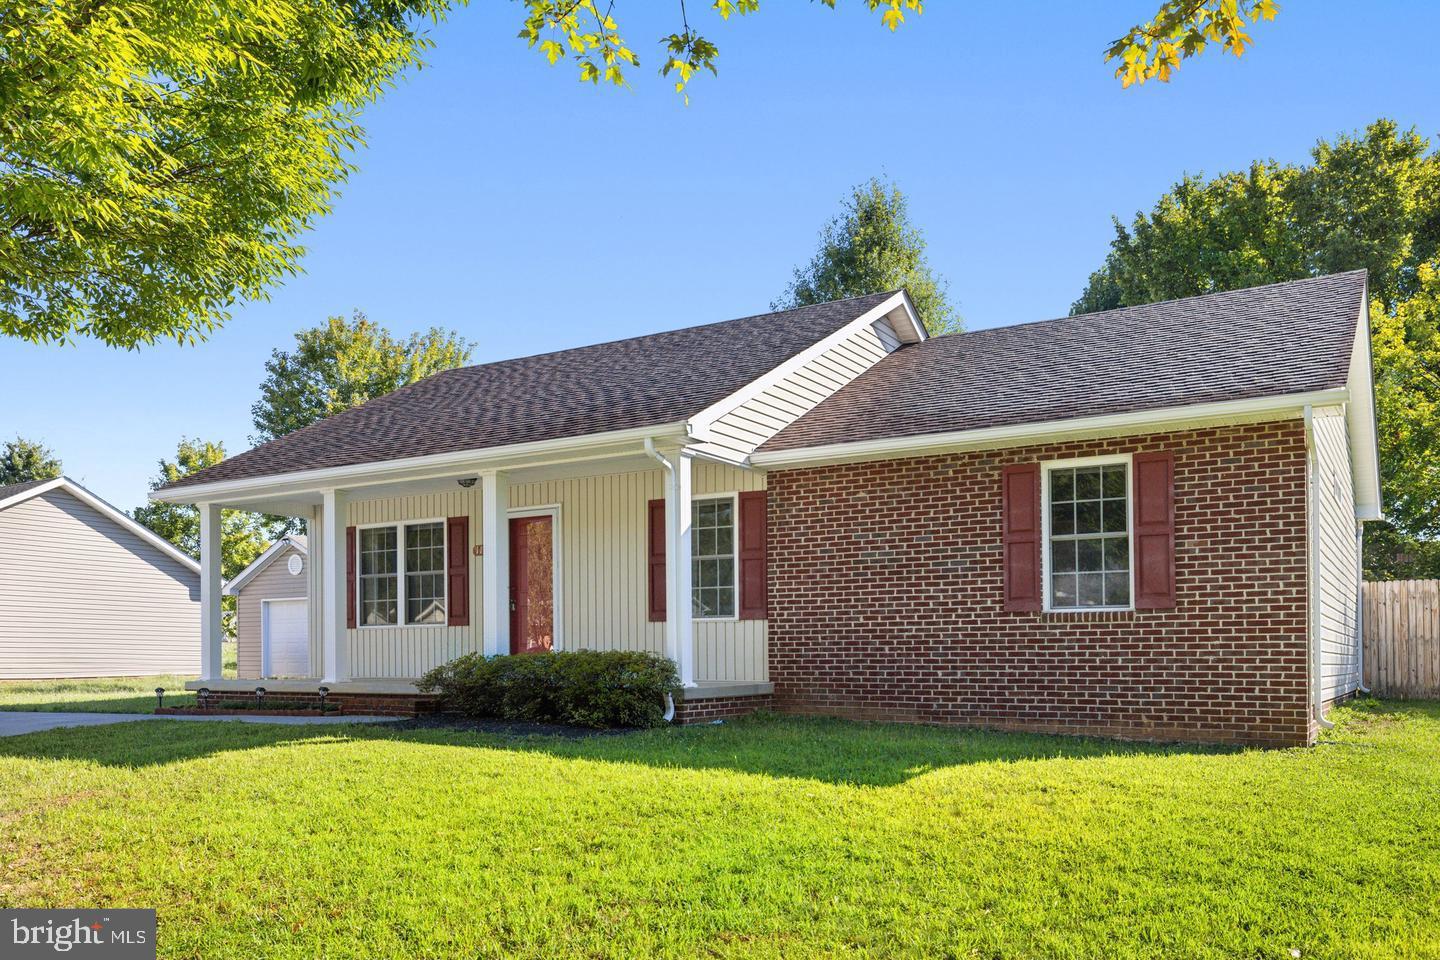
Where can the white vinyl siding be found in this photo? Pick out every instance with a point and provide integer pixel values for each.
(761, 417)
(1337, 587)
(81, 596)
(275, 582)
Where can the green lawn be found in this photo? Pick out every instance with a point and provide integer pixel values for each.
(103, 694)
(766, 838)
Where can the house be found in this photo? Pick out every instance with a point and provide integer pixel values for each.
(272, 612)
(85, 591)
(1139, 523)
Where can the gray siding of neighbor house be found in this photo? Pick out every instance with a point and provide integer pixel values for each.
(81, 596)
(275, 582)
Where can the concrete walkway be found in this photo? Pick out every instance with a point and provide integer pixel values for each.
(14, 723)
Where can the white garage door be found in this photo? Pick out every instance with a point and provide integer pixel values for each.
(285, 640)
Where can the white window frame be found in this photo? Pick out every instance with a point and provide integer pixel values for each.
(399, 527)
(1099, 461)
(734, 497)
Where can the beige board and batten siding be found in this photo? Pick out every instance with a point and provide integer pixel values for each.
(409, 651)
(766, 414)
(81, 596)
(275, 582)
(601, 603)
(1338, 582)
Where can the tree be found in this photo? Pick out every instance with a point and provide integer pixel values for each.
(1370, 201)
(341, 365)
(23, 460)
(242, 535)
(159, 161)
(869, 248)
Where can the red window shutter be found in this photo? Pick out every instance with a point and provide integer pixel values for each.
(457, 571)
(753, 526)
(1020, 534)
(656, 543)
(1154, 491)
(350, 603)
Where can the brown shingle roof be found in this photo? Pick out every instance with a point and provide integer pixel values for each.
(645, 381)
(9, 490)
(1263, 341)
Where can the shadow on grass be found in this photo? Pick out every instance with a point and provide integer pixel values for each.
(826, 750)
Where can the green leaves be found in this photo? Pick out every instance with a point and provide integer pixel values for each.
(1182, 29)
(158, 162)
(23, 460)
(341, 365)
(872, 247)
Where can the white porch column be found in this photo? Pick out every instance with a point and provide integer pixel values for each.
(495, 561)
(334, 636)
(210, 584)
(679, 606)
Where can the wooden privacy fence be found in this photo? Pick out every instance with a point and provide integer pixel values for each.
(1402, 638)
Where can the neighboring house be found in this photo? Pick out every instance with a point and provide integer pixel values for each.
(1138, 523)
(85, 591)
(272, 613)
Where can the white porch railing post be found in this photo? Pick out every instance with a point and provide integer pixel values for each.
(334, 633)
(211, 630)
(495, 561)
(679, 606)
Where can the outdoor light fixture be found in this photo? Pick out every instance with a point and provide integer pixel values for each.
(324, 692)
(202, 697)
(259, 697)
(159, 697)
(467, 482)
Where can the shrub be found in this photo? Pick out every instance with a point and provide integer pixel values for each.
(588, 688)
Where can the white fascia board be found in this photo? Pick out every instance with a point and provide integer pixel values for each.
(109, 512)
(900, 300)
(1364, 436)
(238, 581)
(1166, 418)
(409, 468)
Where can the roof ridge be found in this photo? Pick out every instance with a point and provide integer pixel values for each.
(1143, 306)
(662, 333)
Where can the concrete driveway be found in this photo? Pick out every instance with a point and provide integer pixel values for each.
(14, 723)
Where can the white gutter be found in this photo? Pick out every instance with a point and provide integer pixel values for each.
(1312, 541)
(394, 471)
(1167, 418)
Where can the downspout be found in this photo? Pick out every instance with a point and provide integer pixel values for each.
(1312, 537)
(1360, 606)
(669, 469)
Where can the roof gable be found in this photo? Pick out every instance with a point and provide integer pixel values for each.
(641, 382)
(21, 492)
(1286, 338)
(286, 545)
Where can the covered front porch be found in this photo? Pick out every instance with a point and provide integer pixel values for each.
(629, 544)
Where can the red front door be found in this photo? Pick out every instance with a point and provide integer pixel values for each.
(532, 585)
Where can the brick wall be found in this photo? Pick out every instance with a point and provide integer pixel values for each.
(885, 599)
(381, 704)
(720, 708)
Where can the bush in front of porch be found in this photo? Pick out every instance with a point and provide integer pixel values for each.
(587, 688)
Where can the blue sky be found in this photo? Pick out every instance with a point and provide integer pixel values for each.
(503, 199)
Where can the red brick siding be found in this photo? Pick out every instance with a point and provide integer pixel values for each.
(886, 600)
(720, 708)
(381, 704)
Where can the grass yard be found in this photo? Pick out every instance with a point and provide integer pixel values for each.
(104, 694)
(764, 838)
